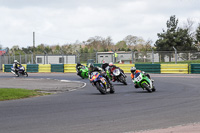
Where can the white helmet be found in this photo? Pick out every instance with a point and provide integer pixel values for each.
(133, 69)
(15, 61)
(110, 64)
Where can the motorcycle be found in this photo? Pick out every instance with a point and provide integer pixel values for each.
(101, 83)
(144, 82)
(21, 71)
(84, 72)
(119, 76)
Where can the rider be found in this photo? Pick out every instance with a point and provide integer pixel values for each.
(134, 71)
(104, 66)
(112, 68)
(15, 66)
(100, 70)
(78, 67)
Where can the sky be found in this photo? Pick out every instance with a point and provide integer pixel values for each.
(66, 21)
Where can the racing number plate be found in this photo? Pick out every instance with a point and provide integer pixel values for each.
(138, 79)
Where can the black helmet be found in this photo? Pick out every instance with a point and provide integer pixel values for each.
(90, 66)
(78, 64)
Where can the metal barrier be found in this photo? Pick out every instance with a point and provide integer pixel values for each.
(148, 68)
(195, 68)
(57, 67)
(69, 68)
(32, 68)
(174, 68)
(7, 67)
(44, 68)
(125, 67)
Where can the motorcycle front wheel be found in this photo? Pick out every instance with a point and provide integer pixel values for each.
(146, 87)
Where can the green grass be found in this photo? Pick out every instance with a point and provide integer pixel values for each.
(13, 93)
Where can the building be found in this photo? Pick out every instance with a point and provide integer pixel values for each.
(119, 56)
(55, 59)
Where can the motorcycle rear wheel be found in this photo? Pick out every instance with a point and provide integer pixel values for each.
(123, 80)
(26, 74)
(112, 90)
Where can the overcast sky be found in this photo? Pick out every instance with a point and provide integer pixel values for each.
(65, 21)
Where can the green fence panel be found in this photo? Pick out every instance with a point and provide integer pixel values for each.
(7, 67)
(195, 68)
(99, 65)
(148, 68)
(32, 68)
(57, 67)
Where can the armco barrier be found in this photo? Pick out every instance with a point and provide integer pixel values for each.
(57, 67)
(44, 68)
(7, 67)
(32, 68)
(195, 68)
(148, 68)
(69, 68)
(2, 67)
(174, 68)
(125, 67)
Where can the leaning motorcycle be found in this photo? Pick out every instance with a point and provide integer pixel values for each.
(120, 76)
(101, 83)
(144, 82)
(21, 71)
(84, 72)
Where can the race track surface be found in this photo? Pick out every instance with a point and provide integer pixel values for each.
(176, 102)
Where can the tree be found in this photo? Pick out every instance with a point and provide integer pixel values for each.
(197, 37)
(131, 40)
(121, 45)
(180, 38)
(166, 40)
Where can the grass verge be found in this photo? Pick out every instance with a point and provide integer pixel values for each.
(15, 93)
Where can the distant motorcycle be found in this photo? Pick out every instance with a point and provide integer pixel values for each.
(119, 76)
(84, 72)
(144, 82)
(21, 71)
(101, 83)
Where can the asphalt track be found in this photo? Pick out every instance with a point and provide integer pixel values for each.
(176, 102)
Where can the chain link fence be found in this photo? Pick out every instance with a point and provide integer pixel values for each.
(116, 57)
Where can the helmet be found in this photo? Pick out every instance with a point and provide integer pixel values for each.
(15, 61)
(110, 64)
(78, 64)
(133, 69)
(90, 66)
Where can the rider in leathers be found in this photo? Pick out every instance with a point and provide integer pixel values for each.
(100, 70)
(112, 68)
(134, 71)
(15, 66)
(78, 67)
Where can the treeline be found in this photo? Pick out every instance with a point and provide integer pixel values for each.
(182, 38)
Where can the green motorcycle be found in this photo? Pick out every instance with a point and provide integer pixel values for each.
(84, 72)
(144, 82)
